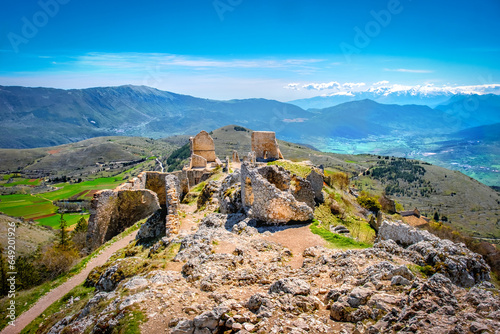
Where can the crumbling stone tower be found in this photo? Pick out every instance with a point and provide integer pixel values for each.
(202, 150)
(265, 146)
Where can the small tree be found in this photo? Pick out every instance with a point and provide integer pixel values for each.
(369, 202)
(63, 241)
(436, 216)
(81, 225)
(341, 179)
(79, 236)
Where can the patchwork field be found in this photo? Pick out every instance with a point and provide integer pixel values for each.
(40, 208)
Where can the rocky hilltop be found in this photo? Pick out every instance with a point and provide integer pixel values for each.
(239, 256)
(228, 275)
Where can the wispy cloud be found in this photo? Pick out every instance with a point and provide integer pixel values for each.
(132, 60)
(383, 82)
(407, 70)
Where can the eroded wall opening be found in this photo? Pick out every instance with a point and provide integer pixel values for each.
(249, 197)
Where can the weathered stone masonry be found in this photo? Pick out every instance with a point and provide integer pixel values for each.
(265, 146)
(271, 200)
(152, 194)
(112, 211)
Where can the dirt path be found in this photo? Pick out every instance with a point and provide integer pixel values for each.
(48, 299)
(297, 240)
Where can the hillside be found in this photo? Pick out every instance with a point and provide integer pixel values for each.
(380, 95)
(473, 110)
(86, 158)
(38, 117)
(470, 205)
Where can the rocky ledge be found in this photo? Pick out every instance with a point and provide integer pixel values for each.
(232, 278)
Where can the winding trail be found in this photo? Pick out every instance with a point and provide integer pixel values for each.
(54, 295)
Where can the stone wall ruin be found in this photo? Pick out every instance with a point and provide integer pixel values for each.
(151, 195)
(265, 146)
(271, 200)
(112, 211)
(202, 145)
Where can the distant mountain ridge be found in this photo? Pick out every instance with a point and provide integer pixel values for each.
(36, 117)
(385, 96)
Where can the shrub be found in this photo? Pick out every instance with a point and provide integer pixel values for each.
(369, 202)
(341, 179)
(57, 260)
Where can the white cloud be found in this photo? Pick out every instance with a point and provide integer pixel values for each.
(322, 86)
(407, 70)
(351, 85)
(430, 89)
(378, 83)
(293, 86)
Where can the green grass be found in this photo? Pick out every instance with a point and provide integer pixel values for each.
(69, 190)
(53, 313)
(130, 324)
(34, 206)
(53, 221)
(26, 206)
(335, 240)
(199, 187)
(31, 207)
(17, 181)
(294, 168)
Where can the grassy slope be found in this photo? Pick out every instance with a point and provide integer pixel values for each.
(80, 158)
(26, 298)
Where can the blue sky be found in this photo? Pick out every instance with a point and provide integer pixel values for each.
(227, 49)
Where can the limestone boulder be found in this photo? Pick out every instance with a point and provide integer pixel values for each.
(266, 196)
(316, 179)
(292, 285)
(403, 234)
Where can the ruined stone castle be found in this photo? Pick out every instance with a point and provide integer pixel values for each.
(267, 193)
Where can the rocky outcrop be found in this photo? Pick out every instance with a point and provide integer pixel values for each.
(245, 284)
(112, 211)
(230, 193)
(316, 179)
(269, 199)
(454, 260)
(403, 234)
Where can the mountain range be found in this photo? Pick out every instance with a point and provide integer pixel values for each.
(396, 94)
(38, 117)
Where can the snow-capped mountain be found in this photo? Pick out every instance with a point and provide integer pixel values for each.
(429, 95)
